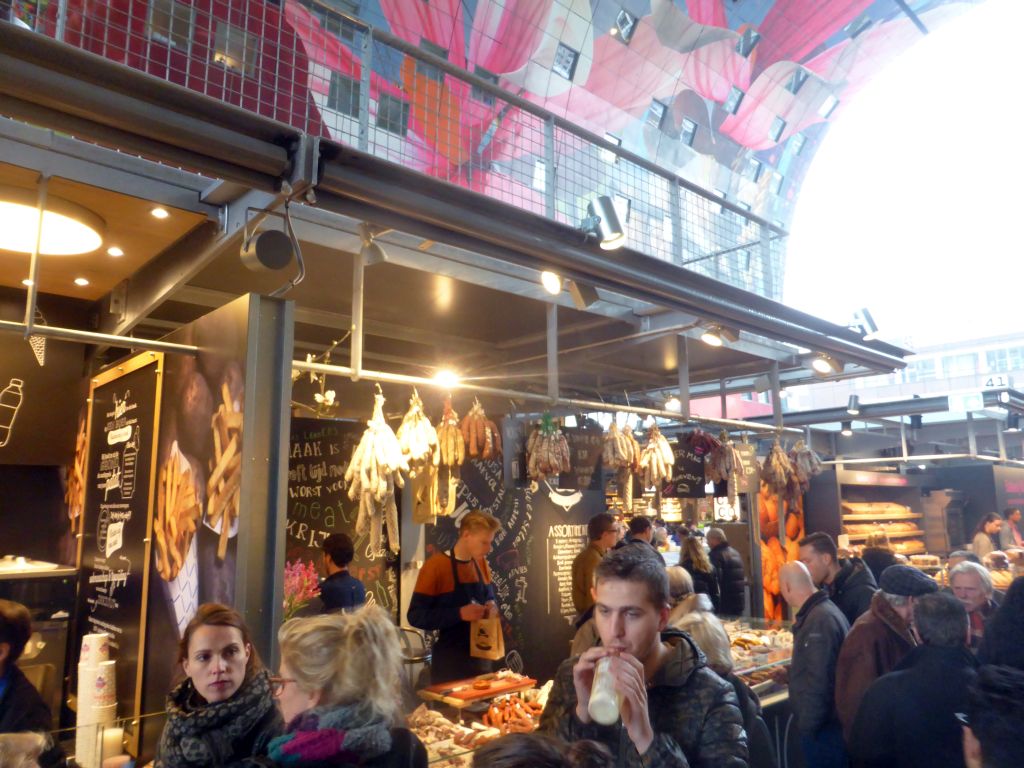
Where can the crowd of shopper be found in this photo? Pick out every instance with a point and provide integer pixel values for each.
(904, 672)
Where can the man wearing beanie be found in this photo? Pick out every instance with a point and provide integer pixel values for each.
(879, 639)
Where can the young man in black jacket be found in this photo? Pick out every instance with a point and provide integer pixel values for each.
(849, 582)
(731, 577)
(21, 706)
(340, 591)
(818, 633)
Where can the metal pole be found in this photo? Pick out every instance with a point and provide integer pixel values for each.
(549, 168)
(675, 210)
(903, 436)
(511, 394)
(33, 268)
(365, 64)
(683, 357)
(89, 337)
(62, 19)
(1000, 440)
(773, 377)
(722, 395)
(553, 351)
(356, 328)
(972, 438)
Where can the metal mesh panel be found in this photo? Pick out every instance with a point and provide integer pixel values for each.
(330, 75)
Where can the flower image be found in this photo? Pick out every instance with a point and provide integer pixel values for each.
(301, 584)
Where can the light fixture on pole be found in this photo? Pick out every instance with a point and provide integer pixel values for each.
(847, 430)
(267, 251)
(716, 335)
(68, 228)
(853, 406)
(551, 281)
(583, 295)
(1012, 423)
(603, 221)
(824, 365)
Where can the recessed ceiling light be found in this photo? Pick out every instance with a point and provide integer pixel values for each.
(159, 213)
(81, 281)
(26, 282)
(68, 228)
(114, 251)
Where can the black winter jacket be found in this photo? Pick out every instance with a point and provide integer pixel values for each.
(759, 738)
(907, 716)
(23, 709)
(704, 583)
(818, 633)
(852, 588)
(731, 578)
(693, 712)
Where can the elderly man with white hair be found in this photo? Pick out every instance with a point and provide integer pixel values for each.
(972, 586)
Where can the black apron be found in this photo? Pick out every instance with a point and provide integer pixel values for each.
(451, 659)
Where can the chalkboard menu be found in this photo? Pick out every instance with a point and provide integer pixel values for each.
(586, 444)
(114, 548)
(318, 505)
(687, 481)
(531, 562)
(751, 481)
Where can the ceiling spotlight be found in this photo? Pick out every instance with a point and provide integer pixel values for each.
(853, 407)
(847, 430)
(446, 378)
(583, 295)
(68, 228)
(603, 221)
(372, 251)
(916, 421)
(114, 251)
(159, 213)
(673, 404)
(922, 466)
(825, 364)
(1012, 423)
(81, 282)
(267, 251)
(552, 282)
(717, 335)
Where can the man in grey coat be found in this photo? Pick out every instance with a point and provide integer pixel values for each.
(818, 633)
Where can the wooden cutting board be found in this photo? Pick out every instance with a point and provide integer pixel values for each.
(468, 694)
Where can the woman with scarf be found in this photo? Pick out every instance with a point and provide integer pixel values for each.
(340, 693)
(223, 712)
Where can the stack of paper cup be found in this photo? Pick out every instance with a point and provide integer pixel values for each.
(97, 698)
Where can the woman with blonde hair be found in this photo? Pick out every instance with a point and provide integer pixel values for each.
(340, 693)
(21, 750)
(695, 560)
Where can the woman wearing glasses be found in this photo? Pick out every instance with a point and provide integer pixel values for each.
(340, 693)
(223, 712)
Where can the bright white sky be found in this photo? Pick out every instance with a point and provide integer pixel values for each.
(912, 206)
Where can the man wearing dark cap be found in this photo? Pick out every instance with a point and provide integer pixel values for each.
(879, 639)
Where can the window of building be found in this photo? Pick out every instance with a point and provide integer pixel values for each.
(485, 97)
(625, 25)
(392, 114)
(656, 113)
(170, 23)
(337, 25)
(429, 71)
(722, 196)
(828, 106)
(540, 175)
(796, 143)
(920, 370)
(777, 180)
(606, 154)
(858, 25)
(343, 95)
(959, 365)
(778, 126)
(733, 100)
(688, 132)
(235, 48)
(747, 42)
(1004, 360)
(565, 61)
(753, 169)
(623, 207)
(796, 80)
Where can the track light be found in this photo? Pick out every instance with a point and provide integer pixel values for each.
(372, 251)
(583, 295)
(267, 251)
(603, 221)
(847, 430)
(916, 421)
(673, 404)
(825, 364)
(716, 335)
(552, 282)
(853, 407)
(1012, 423)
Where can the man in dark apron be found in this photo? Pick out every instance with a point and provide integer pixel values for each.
(453, 590)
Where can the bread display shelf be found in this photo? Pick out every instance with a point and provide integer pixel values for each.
(890, 534)
(873, 518)
(918, 550)
(460, 693)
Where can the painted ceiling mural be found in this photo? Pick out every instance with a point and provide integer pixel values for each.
(733, 95)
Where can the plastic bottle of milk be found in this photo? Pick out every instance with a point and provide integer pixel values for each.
(604, 701)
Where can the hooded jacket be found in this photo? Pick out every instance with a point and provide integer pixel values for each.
(877, 642)
(731, 578)
(694, 714)
(23, 709)
(908, 716)
(818, 633)
(852, 588)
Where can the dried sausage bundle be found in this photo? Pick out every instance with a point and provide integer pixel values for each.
(547, 450)
(417, 438)
(806, 464)
(725, 465)
(449, 437)
(656, 459)
(373, 473)
(481, 435)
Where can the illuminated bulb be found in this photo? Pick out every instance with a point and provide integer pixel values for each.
(114, 251)
(922, 466)
(159, 213)
(81, 281)
(673, 404)
(446, 378)
(847, 430)
(552, 283)
(68, 229)
(26, 282)
(711, 338)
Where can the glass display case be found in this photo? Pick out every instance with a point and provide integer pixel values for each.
(759, 648)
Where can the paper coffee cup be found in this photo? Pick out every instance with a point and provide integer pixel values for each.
(95, 648)
(105, 684)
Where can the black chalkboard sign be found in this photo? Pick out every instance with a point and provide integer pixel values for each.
(687, 481)
(114, 550)
(586, 444)
(531, 562)
(751, 470)
(318, 505)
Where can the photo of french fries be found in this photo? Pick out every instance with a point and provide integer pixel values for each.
(177, 514)
(74, 495)
(223, 488)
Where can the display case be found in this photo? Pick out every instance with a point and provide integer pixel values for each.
(759, 648)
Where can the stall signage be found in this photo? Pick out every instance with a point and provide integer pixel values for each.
(751, 474)
(586, 446)
(966, 402)
(687, 481)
